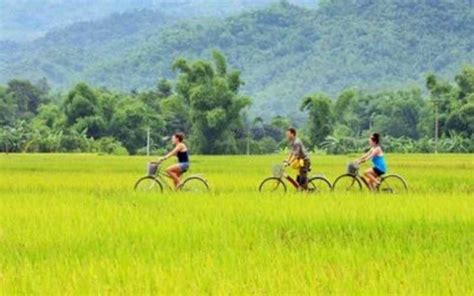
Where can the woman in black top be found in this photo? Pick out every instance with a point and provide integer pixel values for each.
(181, 152)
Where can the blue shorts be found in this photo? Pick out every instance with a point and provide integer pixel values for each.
(184, 166)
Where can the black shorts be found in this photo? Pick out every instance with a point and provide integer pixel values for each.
(305, 168)
(378, 172)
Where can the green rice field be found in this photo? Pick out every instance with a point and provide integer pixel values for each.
(72, 224)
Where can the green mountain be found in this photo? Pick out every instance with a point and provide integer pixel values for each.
(283, 51)
(23, 20)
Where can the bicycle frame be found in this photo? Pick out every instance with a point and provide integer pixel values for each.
(161, 177)
(361, 178)
(292, 181)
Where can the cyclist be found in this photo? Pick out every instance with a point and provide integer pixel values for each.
(378, 160)
(181, 152)
(298, 158)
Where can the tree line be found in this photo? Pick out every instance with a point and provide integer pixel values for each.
(205, 102)
(285, 51)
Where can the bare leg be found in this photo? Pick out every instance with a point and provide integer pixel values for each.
(174, 172)
(371, 178)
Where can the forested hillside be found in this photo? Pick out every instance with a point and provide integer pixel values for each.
(22, 20)
(206, 104)
(283, 51)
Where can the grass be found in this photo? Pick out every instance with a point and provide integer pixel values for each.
(71, 224)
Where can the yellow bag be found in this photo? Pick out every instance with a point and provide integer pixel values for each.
(296, 164)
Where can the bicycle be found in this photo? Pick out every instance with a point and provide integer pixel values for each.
(316, 184)
(155, 181)
(352, 181)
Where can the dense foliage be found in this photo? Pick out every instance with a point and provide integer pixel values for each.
(283, 51)
(406, 118)
(27, 20)
(205, 103)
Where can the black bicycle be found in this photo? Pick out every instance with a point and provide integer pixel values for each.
(156, 181)
(316, 184)
(352, 181)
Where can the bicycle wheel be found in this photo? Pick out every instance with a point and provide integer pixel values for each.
(319, 185)
(148, 184)
(194, 184)
(347, 183)
(272, 185)
(393, 184)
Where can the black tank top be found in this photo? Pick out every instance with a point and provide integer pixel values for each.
(182, 156)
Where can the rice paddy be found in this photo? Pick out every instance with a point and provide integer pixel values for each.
(72, 224)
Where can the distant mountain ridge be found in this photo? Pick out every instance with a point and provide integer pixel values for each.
(284, 51)
(26, 20)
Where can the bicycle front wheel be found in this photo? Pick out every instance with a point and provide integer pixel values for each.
(393, 184)
(194, 184)
(272, 185)
(319, 185)
(347, 183)
(148, 184)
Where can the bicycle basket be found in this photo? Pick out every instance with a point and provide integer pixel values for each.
(152, 168)
(278, 170)
(352, 168)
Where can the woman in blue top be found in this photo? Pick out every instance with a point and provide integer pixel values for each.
(181, 152)
(377, 156)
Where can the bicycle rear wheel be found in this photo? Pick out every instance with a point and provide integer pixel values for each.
(393, 184)
(347, 183)
(148, 184)
(194, 184)
(319, 185)
(272, 185)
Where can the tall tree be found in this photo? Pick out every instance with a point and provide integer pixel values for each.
(82, 111)
(80, 102)
(26, 97)
(164, 88)
(465, 82)
(398, 113)
(445, 97)
(212, 95)
(320, 117)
